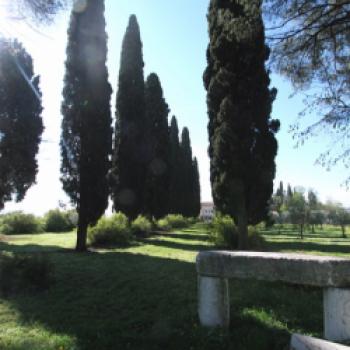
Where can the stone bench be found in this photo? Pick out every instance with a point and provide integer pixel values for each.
(214, 268)
(302, 342)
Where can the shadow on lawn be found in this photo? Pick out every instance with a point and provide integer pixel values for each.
(188, 236)
(177, 245)
(31, 248)
(120, 300)
(307, 246)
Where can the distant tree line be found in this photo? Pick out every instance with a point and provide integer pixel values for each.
(304, 209)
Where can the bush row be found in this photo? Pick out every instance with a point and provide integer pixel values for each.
(117, 229)
(63, 221)
(53, 221)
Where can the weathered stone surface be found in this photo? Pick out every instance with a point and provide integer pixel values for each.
(214, 302)
(322, 271)
(336, 306)
(301, 342)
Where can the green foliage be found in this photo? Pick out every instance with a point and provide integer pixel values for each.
(130, 150)
(114, 230)
(23, 273)
(20, 223)
(57, 221)
(175, 203)
(242, 139)
(21, 125)
(141, 225)
(310, 47)
(224, 234)
(195, 190)
(173, 221)
(86, 139)
(156, 190)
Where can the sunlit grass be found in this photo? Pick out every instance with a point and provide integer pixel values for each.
(145, 297)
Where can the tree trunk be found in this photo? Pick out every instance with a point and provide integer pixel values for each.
(343, 231)
(301, 231)
(81, 235)
(242, 225)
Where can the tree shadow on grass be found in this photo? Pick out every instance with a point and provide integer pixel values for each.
(31, 248)
(120, 300)
(307, 246)
(189, 236)
(177, 245)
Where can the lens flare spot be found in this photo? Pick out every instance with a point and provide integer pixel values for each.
(79, 6)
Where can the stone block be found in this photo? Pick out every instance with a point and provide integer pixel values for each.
(321, 271)
(301, 342)
(214, 302)
(336, 307)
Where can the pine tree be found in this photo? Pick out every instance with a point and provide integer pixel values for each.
(175, 169)
(157, 138)
(86, 140)
(241, 134)
(131, 153)
(196, 190)
(21, 125)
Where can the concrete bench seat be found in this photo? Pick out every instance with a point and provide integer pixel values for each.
(302, 342)
(214, 268)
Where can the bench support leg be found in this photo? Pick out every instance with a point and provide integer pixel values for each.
(336, 306)
(214, 304)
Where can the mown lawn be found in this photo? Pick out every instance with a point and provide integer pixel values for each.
(145, 297)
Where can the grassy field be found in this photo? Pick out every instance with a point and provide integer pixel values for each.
(145, 297)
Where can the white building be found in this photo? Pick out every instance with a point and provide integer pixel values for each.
(207, 211)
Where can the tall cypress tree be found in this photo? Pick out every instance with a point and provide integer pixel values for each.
(86, 140)
(21, 125)
(241, 134)
(196, 190)
(131, 153)
(185, 177)
(175, 168)
(157, 138)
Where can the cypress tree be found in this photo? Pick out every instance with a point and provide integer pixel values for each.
(196, 190)
(157, 138)
(175, 169)
(131, 153)
(280, 191)
(86, 140)
(21, 125)
(185, 177)
(241, 134)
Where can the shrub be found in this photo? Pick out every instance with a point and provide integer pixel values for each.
(224, 233)
(141, 225)
(25, 272)
(57, 221)
(114, 230)
(163, 224)
(20, 223)
(173, 221)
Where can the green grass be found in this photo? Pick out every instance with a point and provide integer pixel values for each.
(145, 297)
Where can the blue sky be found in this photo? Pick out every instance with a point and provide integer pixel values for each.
(174, 35)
